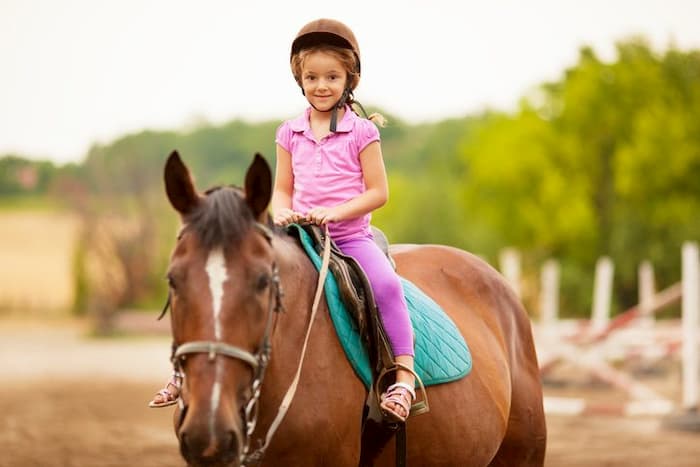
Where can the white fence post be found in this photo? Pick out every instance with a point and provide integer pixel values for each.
(510, 268)
(690, 312)
(549, 298)
(602, 294)
(647, 291)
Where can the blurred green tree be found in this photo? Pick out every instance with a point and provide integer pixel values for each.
(603, 161)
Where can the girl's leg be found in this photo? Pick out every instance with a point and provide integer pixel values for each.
(387, 290)
(388, 294)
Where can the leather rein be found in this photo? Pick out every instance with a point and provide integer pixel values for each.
(257, 361)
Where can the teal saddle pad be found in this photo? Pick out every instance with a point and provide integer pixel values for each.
(442, 354)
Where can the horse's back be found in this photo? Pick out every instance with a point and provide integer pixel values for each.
(493, 416)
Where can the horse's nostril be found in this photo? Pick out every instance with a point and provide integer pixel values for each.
(225, 452)
(184, 448)
(233, 442)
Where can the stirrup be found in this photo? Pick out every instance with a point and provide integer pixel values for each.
(417, 406)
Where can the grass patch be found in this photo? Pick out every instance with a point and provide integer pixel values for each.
(13, 203)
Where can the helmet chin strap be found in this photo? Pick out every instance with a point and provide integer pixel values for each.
(338, 105)
(333, 110)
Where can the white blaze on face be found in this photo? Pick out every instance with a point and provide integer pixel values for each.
(216, 270)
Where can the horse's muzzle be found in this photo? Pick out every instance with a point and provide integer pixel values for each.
(201, 450)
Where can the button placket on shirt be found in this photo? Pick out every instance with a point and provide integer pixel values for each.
(318, 158)
(318, 154)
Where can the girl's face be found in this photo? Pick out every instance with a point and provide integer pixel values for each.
(323, 79)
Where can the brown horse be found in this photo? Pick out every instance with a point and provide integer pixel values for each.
(241, 298)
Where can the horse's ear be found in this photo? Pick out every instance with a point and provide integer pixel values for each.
(179, 185)
(258, 186)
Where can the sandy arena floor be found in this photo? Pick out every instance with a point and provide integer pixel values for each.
(72, 401)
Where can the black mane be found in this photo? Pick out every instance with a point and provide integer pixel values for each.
(222, 218)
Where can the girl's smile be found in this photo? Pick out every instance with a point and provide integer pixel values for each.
(323, 80)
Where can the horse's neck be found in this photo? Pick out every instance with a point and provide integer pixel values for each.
(323, 370)
(298, 279)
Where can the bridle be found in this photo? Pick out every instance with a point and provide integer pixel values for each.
(257, 361)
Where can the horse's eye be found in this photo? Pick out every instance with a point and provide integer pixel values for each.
(263, 282)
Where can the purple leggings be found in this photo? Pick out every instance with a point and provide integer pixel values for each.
(387, 290)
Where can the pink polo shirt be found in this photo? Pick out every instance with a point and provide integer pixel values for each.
(328, 172)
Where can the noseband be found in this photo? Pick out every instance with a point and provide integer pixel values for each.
(257, 361)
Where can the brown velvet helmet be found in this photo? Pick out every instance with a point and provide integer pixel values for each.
(326, 31)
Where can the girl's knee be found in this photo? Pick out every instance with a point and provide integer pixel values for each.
(387, 289)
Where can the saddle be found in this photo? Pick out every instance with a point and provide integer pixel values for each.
(356, 293)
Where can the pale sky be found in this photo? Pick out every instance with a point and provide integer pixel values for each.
(78, 72)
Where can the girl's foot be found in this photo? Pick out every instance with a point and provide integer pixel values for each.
(396, 401)
(169, 394)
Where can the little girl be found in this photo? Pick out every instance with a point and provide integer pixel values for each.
(330, 171)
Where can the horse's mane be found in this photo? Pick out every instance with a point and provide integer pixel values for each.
(222, 218)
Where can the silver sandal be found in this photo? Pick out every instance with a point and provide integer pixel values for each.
(170, 397)
(401, 394)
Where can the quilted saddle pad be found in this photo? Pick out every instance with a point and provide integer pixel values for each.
(442, 354)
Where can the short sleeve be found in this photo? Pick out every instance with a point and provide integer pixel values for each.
(366, 132)
(283, 136)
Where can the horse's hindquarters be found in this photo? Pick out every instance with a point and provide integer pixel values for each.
(493, 416)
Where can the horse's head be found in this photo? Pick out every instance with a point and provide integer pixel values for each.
(223, 290)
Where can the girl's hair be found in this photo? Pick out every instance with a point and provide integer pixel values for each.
(349, 62)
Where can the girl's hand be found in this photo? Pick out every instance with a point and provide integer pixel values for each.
(286, 216)
(322, 216)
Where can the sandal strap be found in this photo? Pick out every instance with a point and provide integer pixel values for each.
(405, 386)
(174, 381)
(398, 398)
(165, 393)
(177, 379)
(417, 407)
(400, 394)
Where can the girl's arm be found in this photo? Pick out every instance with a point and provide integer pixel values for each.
(284, 188)
(376, 190)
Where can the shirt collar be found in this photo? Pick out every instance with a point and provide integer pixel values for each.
(301, 123)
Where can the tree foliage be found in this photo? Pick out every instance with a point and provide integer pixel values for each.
(603, 161)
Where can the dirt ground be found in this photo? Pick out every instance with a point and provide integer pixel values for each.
(72, 401)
